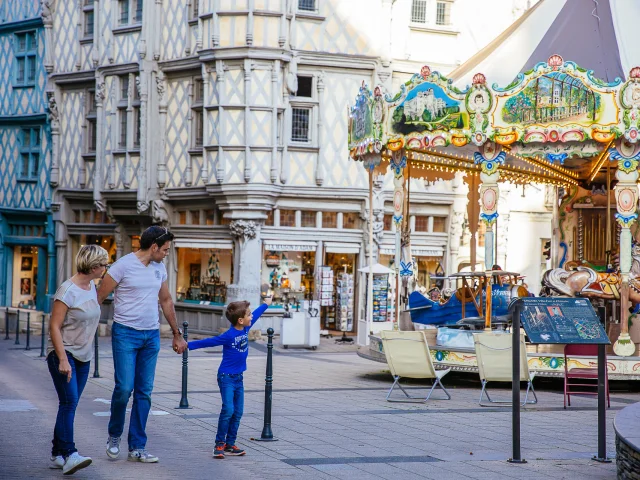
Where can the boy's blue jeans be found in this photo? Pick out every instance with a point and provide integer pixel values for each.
(232, 392)
(135, 353)
(68, 395)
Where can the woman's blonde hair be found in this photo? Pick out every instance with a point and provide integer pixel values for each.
(89, 257)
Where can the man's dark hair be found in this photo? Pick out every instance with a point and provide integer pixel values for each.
(157, 235)
(237, 310)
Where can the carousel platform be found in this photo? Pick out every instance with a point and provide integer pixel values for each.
(545, 360)
(627, 428)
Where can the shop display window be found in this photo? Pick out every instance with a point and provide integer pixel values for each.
(422, 224)
(308, 219)
(287, 218)
(203, 275)
(338, 291)
(329, 220)
(439, 224)
(288, 276)
(25, 276)
(350, 220)
(210, 217)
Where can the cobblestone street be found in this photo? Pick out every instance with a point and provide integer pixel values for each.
(330, 417)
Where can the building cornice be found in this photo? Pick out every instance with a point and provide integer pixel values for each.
(181, 64)
(240, 53)
(26, 24)
(73, 78)
(22, 120)
(120, 69)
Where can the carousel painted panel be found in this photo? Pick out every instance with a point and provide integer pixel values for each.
(65, 40)
(556, 101)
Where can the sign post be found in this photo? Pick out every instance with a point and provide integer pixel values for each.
(516, 313)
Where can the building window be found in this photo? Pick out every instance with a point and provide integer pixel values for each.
(135, 107)
(269, 221)
(350, 220)
(203, 275)
(388, 222)
(419, 11)
(300, 124)
(422, 224)
(443, 13)
(26, 53)
(88, 13)
(329, 220)
(439, 224)
(209, 217)
(305, 87)
(182, 218)
(92, 125)
(195, 217)
(307, 5)
(29, 154)
(287, 218)
(123, 104)
(308, 219)
(130, 12)
(195, 8)
(198, 113)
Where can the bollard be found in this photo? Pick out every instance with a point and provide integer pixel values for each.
(17, 328)
(267, 434)
(28, 347)
(184, 402)
(96, 370)
(42, 340)
(6, 324)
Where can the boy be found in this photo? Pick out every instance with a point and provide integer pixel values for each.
(235, 342)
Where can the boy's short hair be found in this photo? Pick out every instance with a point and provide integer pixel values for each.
(237, 310)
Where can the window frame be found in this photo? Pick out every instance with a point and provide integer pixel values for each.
(446, 14)
(194, 10)
(197, 108)
(91, 117)
(134, 12)
(429, 9)
(87, 10)
(305, 9)
(33, 153)
(26, 56)
(309, 137)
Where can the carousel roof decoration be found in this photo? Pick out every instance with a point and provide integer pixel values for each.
(555, 123)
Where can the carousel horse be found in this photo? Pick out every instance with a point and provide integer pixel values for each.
(577, 280)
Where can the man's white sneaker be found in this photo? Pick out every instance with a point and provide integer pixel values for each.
(75, 462)
(142, 456)
(57, 462)
(113, 447)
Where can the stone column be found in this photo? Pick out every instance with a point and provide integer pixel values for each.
(248, 67)
(220, 165)
(98, 170)
(626, 193)
(161, 179)
(47, 12)
(142, 200)
(54, 121)
(247, 262)
(321, 143)
(275, 102)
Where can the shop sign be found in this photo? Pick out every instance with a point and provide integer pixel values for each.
(290, 247)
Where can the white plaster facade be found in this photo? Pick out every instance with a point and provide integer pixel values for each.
(196, 103)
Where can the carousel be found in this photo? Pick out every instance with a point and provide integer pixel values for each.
(557, 124)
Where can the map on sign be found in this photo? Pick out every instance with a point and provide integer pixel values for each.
(561, 320)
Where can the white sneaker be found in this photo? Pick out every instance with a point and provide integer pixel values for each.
(113, 447)
(141, 456)
(75, 462)
(57, 462)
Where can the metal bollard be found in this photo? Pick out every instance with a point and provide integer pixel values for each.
(42, 339)
(96, 370)
(267, 434)
(6, 324)
(28, 347)
(184, 402)
(17, 328)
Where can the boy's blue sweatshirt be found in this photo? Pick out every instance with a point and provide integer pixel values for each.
(235, 345)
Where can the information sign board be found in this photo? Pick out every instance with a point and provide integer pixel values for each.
(561, 320)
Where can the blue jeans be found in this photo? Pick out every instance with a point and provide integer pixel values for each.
(135, 353)
(232, 392)
(68, 395)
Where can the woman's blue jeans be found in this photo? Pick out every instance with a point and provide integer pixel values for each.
(135, 353)
(232, 392)
(68, 394)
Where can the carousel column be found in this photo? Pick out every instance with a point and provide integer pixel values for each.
(398, 164)
(489, 160)
(626, 193)
(247, 262)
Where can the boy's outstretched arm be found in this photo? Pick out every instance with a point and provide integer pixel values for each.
(257, 313)
(208, 342)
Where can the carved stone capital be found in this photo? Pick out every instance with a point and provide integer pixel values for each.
(244, 229)
(142, 206)
(159, 214)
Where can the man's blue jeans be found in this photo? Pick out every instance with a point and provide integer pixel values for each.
(232, 392)
(135, 353)
(68, 395)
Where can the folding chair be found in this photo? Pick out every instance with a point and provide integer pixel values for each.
(494, 353)
(582, 375)
(408, 356)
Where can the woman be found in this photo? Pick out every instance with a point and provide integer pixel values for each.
(74, 320)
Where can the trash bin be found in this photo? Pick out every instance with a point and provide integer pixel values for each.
(302, 329)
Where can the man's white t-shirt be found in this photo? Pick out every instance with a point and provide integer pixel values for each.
(136, 295)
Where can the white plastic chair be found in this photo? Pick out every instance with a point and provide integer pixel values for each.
(495, 364)
(408, 356)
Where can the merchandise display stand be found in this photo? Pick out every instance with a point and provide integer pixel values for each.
(344, 310)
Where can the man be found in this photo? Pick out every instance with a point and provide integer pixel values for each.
(140, 282)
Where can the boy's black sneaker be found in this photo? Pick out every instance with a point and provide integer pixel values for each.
(218, 451)
(233, 450)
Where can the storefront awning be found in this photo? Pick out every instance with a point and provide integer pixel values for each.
(284, 246)
(205, 244)
(416, 251)
(336, 247)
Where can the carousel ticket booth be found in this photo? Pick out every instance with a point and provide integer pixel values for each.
(555, 124)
